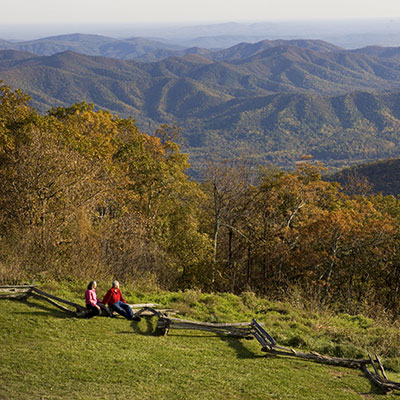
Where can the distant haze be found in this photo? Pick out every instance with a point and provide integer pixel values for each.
(339, 21)
(345, 33)
(128, 11)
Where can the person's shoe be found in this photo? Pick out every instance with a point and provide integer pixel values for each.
(135, 318)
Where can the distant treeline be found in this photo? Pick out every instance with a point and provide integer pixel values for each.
(86, 194)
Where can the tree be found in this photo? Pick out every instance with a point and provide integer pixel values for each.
(227, 188)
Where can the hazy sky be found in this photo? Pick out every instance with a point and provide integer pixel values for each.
(125, 11)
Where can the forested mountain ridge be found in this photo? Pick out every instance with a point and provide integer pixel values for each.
(146, 49)
(143, 49)
(382, 176)
(275, 105)
(245, 50)
(379, 51)
(96, 45)
(281, 128)
(275, 70)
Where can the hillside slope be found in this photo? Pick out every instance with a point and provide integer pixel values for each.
(95, 45)
(143, 49)
(109, 357)
(273, 106)
(383, 175)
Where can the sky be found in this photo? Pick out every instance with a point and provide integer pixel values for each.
(172, 11)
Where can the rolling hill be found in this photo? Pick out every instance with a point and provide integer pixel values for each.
(144, 49)
(382, 175)
(147, 50)
(245, 50)
(68, 348)
(97, 45)
(271, 102)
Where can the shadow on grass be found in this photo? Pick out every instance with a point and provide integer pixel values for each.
(242, 352)
(301, 363)
(375, 390)
(147, 326)
(45, 309)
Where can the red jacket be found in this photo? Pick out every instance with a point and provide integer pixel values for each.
(112, 296)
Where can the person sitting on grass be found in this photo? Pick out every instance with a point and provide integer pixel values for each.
(91, 300)
(93, 306)
(118, 304)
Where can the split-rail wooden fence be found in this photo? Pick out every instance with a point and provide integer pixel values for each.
(372, 366)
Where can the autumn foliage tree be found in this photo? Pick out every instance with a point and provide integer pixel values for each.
(292, 232)
(85, 193)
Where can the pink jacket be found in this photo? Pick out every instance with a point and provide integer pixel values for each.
(90, 297)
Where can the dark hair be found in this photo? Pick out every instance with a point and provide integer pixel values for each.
(91, 284)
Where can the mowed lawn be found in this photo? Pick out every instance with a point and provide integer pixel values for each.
(45, 354)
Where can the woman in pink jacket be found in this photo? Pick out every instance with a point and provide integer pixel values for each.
(91, 300)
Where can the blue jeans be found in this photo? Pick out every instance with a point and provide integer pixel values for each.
(123, 309)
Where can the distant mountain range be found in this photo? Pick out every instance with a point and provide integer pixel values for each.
(271, 101)
(96, 45)
(148, 50)
(143, 49)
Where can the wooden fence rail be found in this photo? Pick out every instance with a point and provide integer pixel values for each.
(239, 329)
(25, 291)
(22, 292)
(378, 377)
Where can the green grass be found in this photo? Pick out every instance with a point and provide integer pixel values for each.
(44, 354)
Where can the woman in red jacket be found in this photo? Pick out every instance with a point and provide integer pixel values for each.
(117, 303)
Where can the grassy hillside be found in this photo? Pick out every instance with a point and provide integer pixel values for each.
(61, 357)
